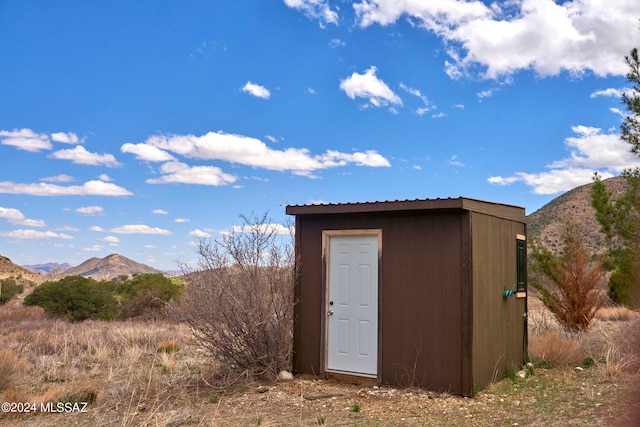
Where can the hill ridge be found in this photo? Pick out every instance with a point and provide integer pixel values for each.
(109, 267)
(546, 224)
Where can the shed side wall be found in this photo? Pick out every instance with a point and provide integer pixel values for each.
(498, 322)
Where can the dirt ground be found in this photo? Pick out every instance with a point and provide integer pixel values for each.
(551, 397)
(129, 382)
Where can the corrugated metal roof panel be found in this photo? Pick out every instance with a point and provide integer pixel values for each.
(460, 203)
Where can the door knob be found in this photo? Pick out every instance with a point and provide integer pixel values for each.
(330, 312)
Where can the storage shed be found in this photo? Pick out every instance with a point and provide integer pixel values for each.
(428, 293)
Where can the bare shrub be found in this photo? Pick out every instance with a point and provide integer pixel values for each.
(615, 364)
(540, 318)
(621, 354)
(570, 283)
(12, 366)
(553, 348)
(616, 313)
(239, 302)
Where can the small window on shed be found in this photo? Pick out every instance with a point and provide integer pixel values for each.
(521, 259)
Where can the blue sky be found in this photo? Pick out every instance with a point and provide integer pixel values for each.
(135, 127)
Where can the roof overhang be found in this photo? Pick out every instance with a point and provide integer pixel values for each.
(511, 212)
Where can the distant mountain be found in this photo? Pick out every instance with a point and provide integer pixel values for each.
(9, 269)
(50, 267)
(546, 224)
(109, 267)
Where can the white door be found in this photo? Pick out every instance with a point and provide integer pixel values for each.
(352, 307)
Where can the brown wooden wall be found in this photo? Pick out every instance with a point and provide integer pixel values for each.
(425, 285)
(498, 322)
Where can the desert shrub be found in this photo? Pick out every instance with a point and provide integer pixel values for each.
(622, 349)
(12, 366)
(554, 349)
(168, 346)
(616, 313)
(239, 301)
(9, 289)
(146, 294)
(569, 283)
(74, 298)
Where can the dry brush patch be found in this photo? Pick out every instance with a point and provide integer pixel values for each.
(115, 367)
(144, 373)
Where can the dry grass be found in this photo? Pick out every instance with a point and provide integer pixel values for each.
(115, 366)
(612, 340)
(12, 365)
(123, 368)
(617, 313)
(554, 349)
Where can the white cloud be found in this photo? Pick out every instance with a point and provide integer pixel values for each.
(595, 150)
(89, 188)
(502, 38)
(181, 220)
(199, 234)
(256, 90)
(263, 228)
(177, 172)
(557, 180)
(112, 240)
(33, 222)
(14, 216)
(59, 178)
(616, 93)
(90, 210)
(501, 180)
(590, 150)
(66, 138)
(453, 161)
(315, 9)
(370, 87)
(247, 151)
(94, 248)
(618, 111)
(160, 212)
(104, 177)
(485, 94)
(146, 152)
(139, 229)
(96, 228)
(416, 92)
(334, 43)
(34, 234)
(68, 228)
(311, 91)
(79, 155)
(25, 139)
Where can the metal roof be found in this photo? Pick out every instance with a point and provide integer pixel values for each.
(502, 210)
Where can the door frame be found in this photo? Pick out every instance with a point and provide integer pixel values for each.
(326, 258)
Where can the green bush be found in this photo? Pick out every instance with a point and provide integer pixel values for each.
(9, 289)
(74, 298)
(146, 294)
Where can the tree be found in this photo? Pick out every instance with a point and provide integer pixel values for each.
(630, 128)
(620, 219)
(146, 294)
(569, 282)
(75, 298)
(239, 300)
(9, 289)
